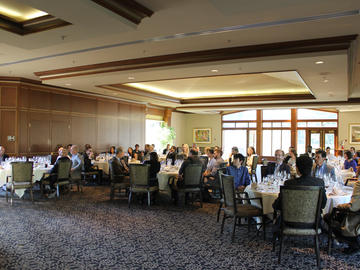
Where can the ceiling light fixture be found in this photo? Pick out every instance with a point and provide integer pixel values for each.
(214, 70)
(319, 62)
(326, 80)
(67, 84)
(131, 78)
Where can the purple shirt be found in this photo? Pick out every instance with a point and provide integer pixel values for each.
(348, 164)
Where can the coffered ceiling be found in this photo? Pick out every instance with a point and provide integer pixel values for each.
(200, 51)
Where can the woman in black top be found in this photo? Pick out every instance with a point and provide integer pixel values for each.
(154, 168)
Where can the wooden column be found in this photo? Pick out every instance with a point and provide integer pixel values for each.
(259, 132)
(293, 128)
(167, 116)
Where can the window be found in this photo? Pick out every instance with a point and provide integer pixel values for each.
(306, 114)
(301, 147)
(315, 127)
(276, 114)
(274, 139)
(245, 115)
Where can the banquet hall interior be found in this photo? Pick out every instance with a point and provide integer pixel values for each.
(157, 134)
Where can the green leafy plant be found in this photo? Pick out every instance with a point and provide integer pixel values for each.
(167, 135)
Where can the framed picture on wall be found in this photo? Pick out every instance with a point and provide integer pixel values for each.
(354, 133)
(202, 135)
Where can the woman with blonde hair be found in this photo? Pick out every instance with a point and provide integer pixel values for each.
(185, 150)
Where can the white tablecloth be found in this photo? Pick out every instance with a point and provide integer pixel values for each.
(163, 179)
(271, 193)
(102, 165)
(38, 173)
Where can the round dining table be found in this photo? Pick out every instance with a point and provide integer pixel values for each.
(269, 194)
(38, 172)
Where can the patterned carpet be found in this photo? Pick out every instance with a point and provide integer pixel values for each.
(87, 231)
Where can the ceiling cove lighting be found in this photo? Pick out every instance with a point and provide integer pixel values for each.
(21, 19)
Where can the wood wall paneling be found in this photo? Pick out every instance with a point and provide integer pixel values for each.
(39, 99)
(107, 108)
(124, 125)
(8, 96)
(60, 102)
(60, 130)
(23, 129)
(42, 118)
(137, 126)
(83, 131)
(83, 105)
(39, 132)
(107, 133)
(23, 97)
(8, 122)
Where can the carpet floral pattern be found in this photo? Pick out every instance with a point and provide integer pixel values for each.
(87, 231)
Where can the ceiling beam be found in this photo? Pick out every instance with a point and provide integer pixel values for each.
(242, 52)
(128, 9)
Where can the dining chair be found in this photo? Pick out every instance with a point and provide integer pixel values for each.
(192, 181)
(117, 182)
(253, 168)
(300, 214)
(233, 208)
(349, 226)
(21, 178)
(140, 181)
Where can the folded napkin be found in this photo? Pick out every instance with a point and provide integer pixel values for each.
(337, 191)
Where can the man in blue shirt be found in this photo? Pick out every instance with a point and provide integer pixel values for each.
(321, 168)
(240, 173)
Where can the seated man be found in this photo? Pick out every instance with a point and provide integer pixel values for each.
(77, 163)
(303, 167)
(321, 168)
(63, 155)
(119, 166)
(193, 158)
(171, 155)
(240, 173)
(215, 160)
(88, 167)
(341, 230)
(279, 166)
(234, 151)
(3, 156)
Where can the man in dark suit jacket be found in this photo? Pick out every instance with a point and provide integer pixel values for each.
(3, 156)
(118, 164)
(279, 165)
(303, 166)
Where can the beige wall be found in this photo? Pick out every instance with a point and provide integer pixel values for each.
(346, 118)
(185, 123)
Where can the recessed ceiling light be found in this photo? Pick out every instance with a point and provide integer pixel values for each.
(319, 62)
(325, 81)
(214, 70)
(67, 84)
(131, 78)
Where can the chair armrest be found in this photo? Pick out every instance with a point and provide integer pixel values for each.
(7, 178)
(249, 199)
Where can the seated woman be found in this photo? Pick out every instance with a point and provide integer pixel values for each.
(349, 163)
(112, 150)
(130, 152)
(250, 157)
(343, 230)
(154, 168)
(290, 160)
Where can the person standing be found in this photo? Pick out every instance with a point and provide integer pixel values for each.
(3, 156)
